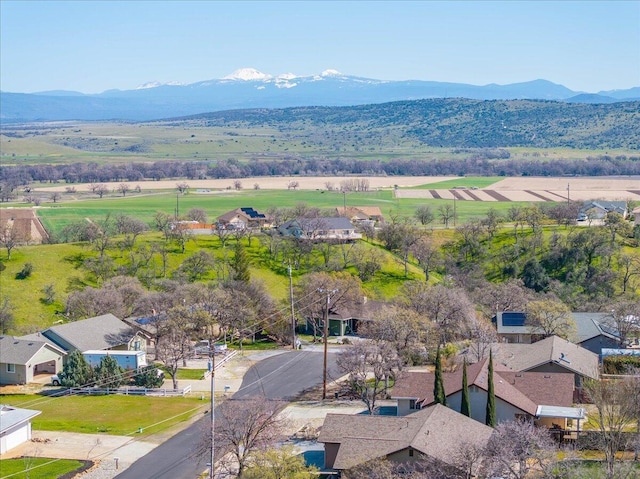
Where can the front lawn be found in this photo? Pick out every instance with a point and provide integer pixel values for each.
(113, 414)
(38, 468)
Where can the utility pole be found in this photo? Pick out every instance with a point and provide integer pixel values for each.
(293, 314)
(177, 206)
(212, 352)
(325, 329)
(454, 210)
(568, 200)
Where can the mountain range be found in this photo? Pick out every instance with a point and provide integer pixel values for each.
(249, 88)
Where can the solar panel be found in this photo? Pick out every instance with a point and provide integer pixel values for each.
(513, 319)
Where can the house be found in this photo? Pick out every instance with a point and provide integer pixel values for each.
(551, 355)
(432, 433)
(518, 394)
(100, 332)
(636, 215)
(362, 214)
(592, 330)
(15, 426)
(512, 327)
(345, 319)
(321, 228)
(600, 208)
(243, 218)
(23, 359)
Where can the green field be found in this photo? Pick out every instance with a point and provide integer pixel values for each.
(37, 467)
(114, 414)
(145, 206)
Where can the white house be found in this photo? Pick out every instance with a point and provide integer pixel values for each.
(15, 426)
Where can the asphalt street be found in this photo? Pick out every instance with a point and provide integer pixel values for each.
(279, 377)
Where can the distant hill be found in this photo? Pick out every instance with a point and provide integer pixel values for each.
(453, 122)
(249, 88)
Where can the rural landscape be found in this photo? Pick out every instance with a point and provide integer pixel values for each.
(323, 271)
(319, 239)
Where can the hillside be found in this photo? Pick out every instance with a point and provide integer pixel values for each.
(457, 123)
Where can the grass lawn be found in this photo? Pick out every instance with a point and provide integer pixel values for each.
(37, 468)
(185, 374)
(114, 414)
(464, 182)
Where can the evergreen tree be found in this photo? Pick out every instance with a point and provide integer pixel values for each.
(490, 419)
(465, 406)
(149, 377)
(77, 372)
(109, 373)
(439, 396)
(240, 264)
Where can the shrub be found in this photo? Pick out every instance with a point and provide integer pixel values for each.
(25, 272)
(620, 364)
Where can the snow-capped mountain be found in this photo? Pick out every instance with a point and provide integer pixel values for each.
(250, 88)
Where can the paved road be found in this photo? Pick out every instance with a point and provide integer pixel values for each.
(278, 377)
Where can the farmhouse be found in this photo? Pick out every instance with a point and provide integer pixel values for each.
(23, 359)
(362, 214)
(432, 433)
(321, 228)
(243, 218)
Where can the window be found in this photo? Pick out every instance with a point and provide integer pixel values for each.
(410, 452)
(412, 403)
(11, 368)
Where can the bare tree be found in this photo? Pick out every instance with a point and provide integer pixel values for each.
(482, 335)
(427, 254)
(551, 318)
(449, 308)
(237, 184)
(196, 266)
(10, 237)
(124, 188)
(197, 214)
(55, 196)
(370, 365)
(617, 406)
(367, 260)
(7, 319)
(182, 187)
(516, 448)
(512, 295)
(312, 303)
(243, 428)
(446, 214)
(173, 346)
(99, 189)
(625, 319)
(405, 329)
(628, 267)
(424, 214)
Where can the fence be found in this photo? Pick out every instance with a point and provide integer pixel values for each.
(132, 391)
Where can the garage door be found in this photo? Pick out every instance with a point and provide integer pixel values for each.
(15, 438)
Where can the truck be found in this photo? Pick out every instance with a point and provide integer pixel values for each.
(127, 360)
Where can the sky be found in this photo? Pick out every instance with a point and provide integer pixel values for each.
(93, 46)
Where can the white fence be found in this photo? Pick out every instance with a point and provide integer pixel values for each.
(132, 391)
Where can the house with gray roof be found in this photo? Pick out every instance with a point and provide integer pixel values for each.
(21, 360)
(518, 394)
(100, 332)
(15, 426)
(598, 209)
(320, 228)
(551, 355)
(432, 433)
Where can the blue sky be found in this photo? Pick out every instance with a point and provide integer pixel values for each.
(92, 46)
